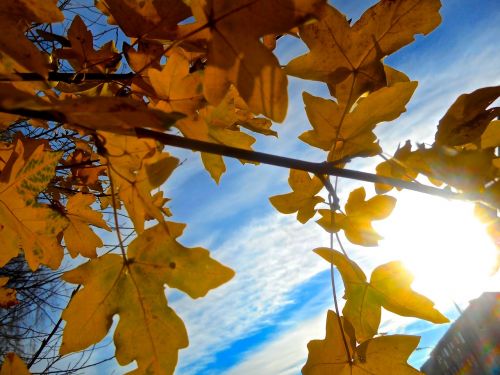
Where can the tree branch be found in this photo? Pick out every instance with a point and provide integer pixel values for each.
(281, 161)
(67, 77)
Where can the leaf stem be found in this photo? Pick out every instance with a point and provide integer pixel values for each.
(331, 202)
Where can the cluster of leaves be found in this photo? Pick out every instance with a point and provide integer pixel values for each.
(71, 149)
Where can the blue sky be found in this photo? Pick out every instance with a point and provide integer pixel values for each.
(261, 321)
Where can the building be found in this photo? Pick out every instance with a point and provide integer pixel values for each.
(472, 344)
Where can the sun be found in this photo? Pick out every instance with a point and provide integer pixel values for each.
(443, 244)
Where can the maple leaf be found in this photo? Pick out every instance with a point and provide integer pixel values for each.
(349, 58)
(389, 287)
(81, 54)
(177, 89)
(147, 55)
(395, 168)
(235, 54)
(384, 355)
(120, 115)
(135, 291)
(149, 19)
(7, 295)
(302, 199)
(346, 136)
(13, 365)
(491, 135)
(218, 125)
(468, 117)
(468, 170)
(79, 238)
(15, 18)
(356, 222)
(26, 224)
(137, 167)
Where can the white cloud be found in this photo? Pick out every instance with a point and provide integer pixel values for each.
(271, 257)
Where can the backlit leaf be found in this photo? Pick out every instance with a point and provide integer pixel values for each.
(468, 117)
(78, 236)
(396, 168)
(389, 287)
(302, 199)
(135, 291)
(356, 222)
(349, 58)
(26, 224)
(346, 136)
(385, 355)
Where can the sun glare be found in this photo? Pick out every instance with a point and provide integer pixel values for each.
(444, 245)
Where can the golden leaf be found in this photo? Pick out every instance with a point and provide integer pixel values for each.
(389, 287)
(349, 58)
(302, 199)
(468, 117)
(177, 89)
(217, 125)
(395, 168)
(386, 355)
(137, 167)
(356, 222)
(491, 135)
(135, 291)
(346, 136)
(232, 32)
(78, 236)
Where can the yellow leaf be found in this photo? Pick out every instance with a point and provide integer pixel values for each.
(468, 117)
(302, 199)
(13, 365)
(7, 295)
(78, 236)
(389, 287)
(491, 136)
(135, 291)
(217, 125)
(356, 222)
(191, 270)
(137, 167)
(396, 168)
(349, 58)
(177, 89)
(346, 136)
(26, 224)
(232, 31)
(385, 355)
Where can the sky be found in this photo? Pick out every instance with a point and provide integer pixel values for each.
(260, 322)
